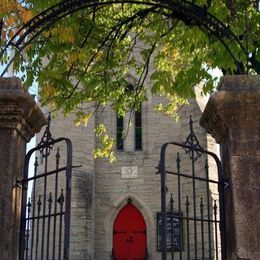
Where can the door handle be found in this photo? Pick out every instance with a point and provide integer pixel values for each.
(130, 239)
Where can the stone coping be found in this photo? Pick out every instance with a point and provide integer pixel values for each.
(235, 105)
(240, 82)
(18, 108)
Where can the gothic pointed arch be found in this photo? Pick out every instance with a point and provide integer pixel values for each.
(120, 204)
(129, 234)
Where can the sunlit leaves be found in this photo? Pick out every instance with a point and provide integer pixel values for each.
(105, 144)
(83, 118)
(64, 34)
(172, 107)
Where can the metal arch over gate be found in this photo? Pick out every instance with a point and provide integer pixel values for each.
(192, 225)
(46, 198)
(186, 11)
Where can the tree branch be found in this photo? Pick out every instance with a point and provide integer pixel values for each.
(117, 27)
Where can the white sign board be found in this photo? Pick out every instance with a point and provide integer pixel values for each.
(129, 172)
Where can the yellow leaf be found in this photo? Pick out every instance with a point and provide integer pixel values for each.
(82, 118)
(64, 34)
(10, 21)
(27, 15)
(47, 90)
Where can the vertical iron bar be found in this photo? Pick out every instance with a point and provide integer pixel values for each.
(178, 160)
(26, 243)
(60, 234)
(193, 186)
(188, 227)
(45, 153)
(39, 203)
(194, 207)
(33, 200)
(202, 227)
(194, 204)
(55, 203)
(49, 224)
(208, 208)
(68, 200)
(172, 235)
(23, 208)
(60, 201)
(216, 227)
(163, 202)
(221, 193)
(27, 227)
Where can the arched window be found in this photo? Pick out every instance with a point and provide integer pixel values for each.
(133, 132)
(119, 132)
(138, 129)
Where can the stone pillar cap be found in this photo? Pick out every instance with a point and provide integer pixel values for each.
(235, 105)
(18, 108)
(240, 83)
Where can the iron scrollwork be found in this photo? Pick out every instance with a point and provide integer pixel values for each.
(191, 144)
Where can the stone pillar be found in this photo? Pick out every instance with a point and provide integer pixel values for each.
(232, 117)
(20, 119)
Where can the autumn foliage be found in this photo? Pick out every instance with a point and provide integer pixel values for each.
(91, 55)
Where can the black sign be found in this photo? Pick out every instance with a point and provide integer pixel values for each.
(174, 229)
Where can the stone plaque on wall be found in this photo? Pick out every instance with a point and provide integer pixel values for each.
(129, 172)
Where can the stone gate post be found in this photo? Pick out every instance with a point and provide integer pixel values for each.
(232, 117)
(20, 119)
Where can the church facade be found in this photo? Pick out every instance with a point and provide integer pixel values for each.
(115, 207)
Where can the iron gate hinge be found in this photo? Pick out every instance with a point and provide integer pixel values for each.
(19, 182)
(158, 169)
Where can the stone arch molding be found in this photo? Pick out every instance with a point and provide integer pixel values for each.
(117, 206)
(186, 11)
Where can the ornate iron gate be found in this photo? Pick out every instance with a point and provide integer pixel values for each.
(46, 197)
(192, 225)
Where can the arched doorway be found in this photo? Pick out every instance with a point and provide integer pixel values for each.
(129, 234)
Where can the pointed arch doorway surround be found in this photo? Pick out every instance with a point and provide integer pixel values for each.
(129, 235)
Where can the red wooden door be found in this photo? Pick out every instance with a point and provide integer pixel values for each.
(129, 235)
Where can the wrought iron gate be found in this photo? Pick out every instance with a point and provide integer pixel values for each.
(192, 224)
(46, 197)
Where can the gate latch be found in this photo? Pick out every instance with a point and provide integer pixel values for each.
(226, 184)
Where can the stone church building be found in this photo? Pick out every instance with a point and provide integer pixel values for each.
(115, 206)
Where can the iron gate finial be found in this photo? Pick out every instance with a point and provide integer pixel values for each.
(193, 143)
(46, 140)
